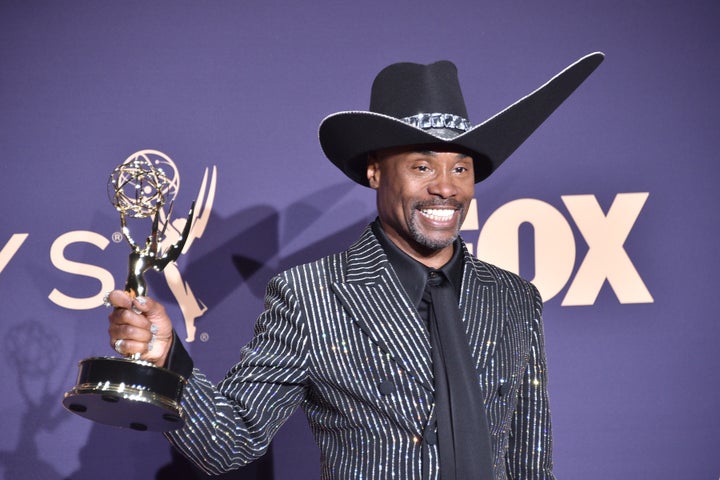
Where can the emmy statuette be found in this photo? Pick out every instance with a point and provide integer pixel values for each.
(129, 392)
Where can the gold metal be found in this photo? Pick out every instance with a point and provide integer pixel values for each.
(131, 392)
(128, 392)
(138, 189)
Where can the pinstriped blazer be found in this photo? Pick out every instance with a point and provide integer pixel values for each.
(340, 338)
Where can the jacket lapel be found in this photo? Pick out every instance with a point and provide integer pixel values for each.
(373, 297)
(483, 307)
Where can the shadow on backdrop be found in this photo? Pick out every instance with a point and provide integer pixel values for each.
(243, 249)
(33, 351)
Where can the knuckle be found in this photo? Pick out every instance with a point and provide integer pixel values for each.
(130, 331)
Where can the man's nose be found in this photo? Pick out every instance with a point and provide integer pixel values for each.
(443, 185)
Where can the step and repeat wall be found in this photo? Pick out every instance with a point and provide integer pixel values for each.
(611, 207)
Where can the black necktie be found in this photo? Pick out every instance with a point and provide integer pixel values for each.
(463, 434)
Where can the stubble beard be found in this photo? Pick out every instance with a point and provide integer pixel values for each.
(425, 241)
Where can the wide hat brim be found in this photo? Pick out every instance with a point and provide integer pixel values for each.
(348, 137)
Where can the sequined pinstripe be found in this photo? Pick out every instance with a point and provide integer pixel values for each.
(340, 339)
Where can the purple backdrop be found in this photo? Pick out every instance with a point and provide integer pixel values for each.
(243, 85)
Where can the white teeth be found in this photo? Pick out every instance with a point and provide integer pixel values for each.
(439, 214)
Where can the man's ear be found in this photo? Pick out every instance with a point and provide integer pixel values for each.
(373, 171)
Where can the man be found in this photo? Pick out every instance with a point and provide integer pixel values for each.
(411, 358)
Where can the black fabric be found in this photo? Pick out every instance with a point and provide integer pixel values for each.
(463, 433)
(459, 423)
(404, 90)
(178, 359)
(410, 272)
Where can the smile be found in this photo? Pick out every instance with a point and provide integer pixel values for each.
(438, 214)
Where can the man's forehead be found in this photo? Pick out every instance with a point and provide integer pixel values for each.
(428, 150)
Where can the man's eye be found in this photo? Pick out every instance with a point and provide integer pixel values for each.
(422, 168)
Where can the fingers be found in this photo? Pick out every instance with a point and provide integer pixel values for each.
(139, 327)
(121, 299)
(131, 333)
(127, 347)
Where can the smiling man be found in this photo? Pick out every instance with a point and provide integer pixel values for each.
(411, 358)
(422, 199)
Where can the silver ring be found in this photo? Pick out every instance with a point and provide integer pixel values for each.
(141, 301)
(106, 300)
(117, 345)
(153, 331)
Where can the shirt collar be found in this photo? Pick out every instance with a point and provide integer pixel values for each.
(413, 274)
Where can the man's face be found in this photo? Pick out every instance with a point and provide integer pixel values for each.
(422, 197)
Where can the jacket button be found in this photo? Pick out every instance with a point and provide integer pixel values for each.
(503, 389)
(387, 387)
(431, 438)
(430, 433)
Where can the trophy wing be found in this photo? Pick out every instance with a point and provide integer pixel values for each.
(204, 202)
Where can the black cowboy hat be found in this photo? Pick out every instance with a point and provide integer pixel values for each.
(413, 104)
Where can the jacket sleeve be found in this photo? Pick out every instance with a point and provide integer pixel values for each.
(230, 425)
(530, 447)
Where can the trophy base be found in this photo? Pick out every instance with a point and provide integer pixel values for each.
(127, 393)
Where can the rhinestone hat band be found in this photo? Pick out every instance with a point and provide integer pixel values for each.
(438, 120)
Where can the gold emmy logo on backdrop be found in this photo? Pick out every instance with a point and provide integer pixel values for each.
(128, 392)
